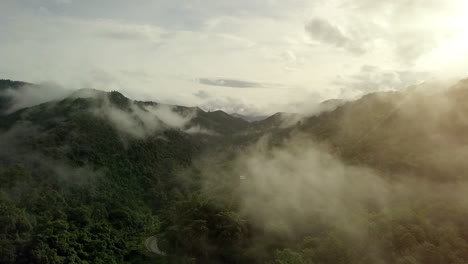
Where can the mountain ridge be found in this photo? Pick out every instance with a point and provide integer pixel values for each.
(87, 179)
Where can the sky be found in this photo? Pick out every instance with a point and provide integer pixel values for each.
(245, 56)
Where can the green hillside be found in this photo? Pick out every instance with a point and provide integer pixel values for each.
(87, 179)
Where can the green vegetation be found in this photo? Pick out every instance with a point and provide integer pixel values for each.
(5, 97)
(76, 189)
(73, 190)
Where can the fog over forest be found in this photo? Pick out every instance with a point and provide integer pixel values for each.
(270, 132)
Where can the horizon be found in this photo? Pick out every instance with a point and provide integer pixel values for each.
(29, 92)
(227, 132)
(247, 57)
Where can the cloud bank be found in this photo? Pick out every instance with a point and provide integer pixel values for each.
(301, 45)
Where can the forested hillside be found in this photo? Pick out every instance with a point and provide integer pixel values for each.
(88, 178)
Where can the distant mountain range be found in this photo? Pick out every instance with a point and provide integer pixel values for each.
(89, 177)
(250, 118)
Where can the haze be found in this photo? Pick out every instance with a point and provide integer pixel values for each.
(247, 56)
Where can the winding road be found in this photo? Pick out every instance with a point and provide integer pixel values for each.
(151, 244)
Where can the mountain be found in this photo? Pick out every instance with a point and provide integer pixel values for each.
(7, 88)
(90, 177)
(406, 132)
(249, 118)
(83, 177)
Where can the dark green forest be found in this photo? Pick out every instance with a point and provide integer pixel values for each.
(378, 180)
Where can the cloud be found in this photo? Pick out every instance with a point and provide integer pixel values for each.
(139, 119)
(169, 116)
(63, 1)
(123, 35)
(15, 151)
(412, 45)
(295, 187)
(200, 130)
(306, 104)
(30, 95)
(296, 46)
(202, 94)
(323, 31)
(232, 83)
(230, 105)
(408, 31)
(144, 121)
(117, 31)
(373, 79)
(301, 176)
(305, 186)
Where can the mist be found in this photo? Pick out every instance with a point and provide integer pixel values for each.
(30, 95)
(141, 119)
(227, 132)
(391, 162)
(15, 152)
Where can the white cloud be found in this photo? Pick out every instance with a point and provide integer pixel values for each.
(155, 50)
(373, 79)
(323, 31)
(63, 1)
(30, 95)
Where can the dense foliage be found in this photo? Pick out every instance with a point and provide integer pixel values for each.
(74, 188)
